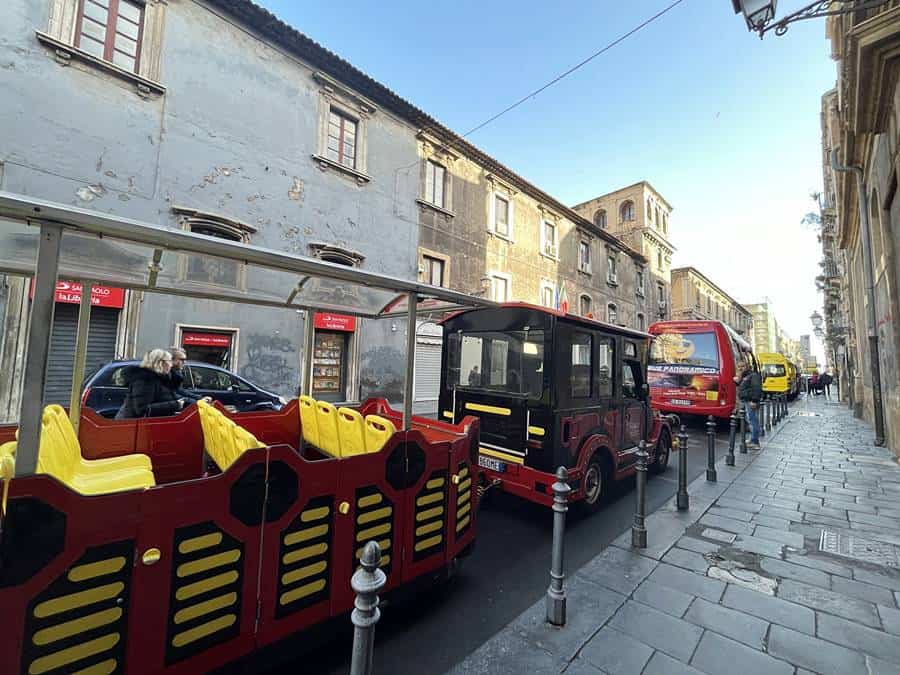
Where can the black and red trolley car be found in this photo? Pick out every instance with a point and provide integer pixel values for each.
(551, 389)
(146, 546)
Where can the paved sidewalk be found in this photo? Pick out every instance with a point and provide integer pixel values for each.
(740, 583)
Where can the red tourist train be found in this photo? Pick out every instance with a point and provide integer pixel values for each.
(186, 543)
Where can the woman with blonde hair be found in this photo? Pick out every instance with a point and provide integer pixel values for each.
(150, 391)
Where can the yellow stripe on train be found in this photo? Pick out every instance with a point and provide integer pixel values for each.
(479, 407)
(512, 459)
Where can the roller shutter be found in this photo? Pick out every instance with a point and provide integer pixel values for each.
(101, 347)
(427, 378)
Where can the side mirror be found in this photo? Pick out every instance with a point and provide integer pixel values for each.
(235, 387)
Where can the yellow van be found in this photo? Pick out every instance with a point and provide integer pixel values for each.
(793, 380)
(774, 371)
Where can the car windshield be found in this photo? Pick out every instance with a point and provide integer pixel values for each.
(511, 362)
(773, 370)
(698, 351)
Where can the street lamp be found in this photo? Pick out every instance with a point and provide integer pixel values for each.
(759, 14)
(816, 319)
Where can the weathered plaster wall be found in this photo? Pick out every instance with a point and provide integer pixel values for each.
(233, 134)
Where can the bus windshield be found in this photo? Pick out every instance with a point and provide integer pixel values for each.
(511, 362)
(697, 352)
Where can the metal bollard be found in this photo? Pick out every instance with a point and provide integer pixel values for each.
(743, 415)
(732, 434)
(785, 404)
(556, 594)
(761, 416)
(768, 418)
(711, 449)
(638, 530)
(366, 582)
(682, 499)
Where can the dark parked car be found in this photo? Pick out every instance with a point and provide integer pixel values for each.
(104, 391)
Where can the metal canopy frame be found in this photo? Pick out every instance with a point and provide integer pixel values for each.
(53, 220)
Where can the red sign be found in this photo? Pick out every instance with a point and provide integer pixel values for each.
(328, 321)
(206, 340)
(69, 292)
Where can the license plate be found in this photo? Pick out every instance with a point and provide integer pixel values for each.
(491, 463)
(679, 401)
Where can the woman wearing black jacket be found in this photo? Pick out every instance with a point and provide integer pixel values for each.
(150, 391)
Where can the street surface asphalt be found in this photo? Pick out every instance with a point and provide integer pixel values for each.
(506, 573)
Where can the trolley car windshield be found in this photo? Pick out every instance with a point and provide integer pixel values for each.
(510, 362)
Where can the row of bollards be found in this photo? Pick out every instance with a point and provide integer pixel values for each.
(770, 413)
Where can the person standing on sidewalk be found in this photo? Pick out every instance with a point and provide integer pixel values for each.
(750, 394)
(825, 381)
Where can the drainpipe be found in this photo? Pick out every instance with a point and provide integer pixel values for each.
(869, 277)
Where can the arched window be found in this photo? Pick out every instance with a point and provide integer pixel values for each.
(660, 223)
(600, 219)
(665, 224)
(612, 313)
(626, 212)
(649, 211)
(585, 305)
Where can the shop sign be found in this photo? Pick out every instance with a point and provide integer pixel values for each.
(69, 292)
(205, 340)
(328, 321)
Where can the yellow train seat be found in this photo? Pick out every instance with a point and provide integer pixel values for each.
(352, 432)
(223, 439)
(327, 421)
(378, 431)
(309, 425)
(244, 440)
(58, 458)
(73, 448)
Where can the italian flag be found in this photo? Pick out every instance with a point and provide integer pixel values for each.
(562, 298)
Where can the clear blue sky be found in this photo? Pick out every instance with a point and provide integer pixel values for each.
(724, 125)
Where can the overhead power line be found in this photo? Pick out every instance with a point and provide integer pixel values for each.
(571, 70)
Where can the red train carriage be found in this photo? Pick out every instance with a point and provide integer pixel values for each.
(182, 544)
(551, 389)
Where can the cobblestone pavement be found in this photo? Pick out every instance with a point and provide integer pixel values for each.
(788, 564)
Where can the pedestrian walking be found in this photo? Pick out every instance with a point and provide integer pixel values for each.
(150, 392)
(825, 382)
(750, 394)
(814, 384)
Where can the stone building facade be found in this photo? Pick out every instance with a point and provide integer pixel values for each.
(486, 231)
(861, 121)
(639, 216)
(764, 332)
(216, 117)
(695, 296)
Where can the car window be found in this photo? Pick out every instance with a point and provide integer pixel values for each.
(210, 379)
(582, 372)
(241, 385)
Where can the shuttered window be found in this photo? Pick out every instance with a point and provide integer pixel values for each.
(111, 30)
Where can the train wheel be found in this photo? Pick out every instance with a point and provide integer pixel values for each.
(596, 477)
(663, 451)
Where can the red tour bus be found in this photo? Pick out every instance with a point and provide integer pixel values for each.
(692, 364)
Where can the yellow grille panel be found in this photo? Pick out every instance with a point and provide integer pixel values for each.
(305, 569)
(374, 520)
(207, 590)
(77, 623)
(464, 493)
(430, 520)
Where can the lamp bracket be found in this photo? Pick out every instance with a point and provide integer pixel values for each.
(817, 9)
